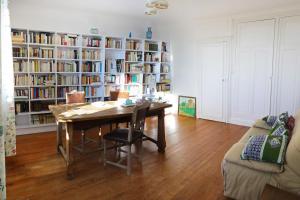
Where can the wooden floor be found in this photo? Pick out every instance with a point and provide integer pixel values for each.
(189, 169)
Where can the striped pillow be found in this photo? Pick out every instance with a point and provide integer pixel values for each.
(266, 148)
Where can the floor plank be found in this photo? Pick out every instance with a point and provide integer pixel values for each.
(189, 169)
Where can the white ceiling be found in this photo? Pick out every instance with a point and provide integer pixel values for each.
(178, 9)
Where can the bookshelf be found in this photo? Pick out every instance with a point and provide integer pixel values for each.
(48, 64)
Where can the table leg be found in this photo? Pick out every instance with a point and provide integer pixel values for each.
(69, 150)
(161, 140)
(58, 136)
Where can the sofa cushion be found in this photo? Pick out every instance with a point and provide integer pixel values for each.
(233, 155)
(267, 148)
(261, 124)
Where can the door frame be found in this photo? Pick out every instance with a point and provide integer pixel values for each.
(226, 42)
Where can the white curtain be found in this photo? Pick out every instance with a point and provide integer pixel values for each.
(7, 110)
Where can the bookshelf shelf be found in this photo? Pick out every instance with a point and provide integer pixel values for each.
(53, 63)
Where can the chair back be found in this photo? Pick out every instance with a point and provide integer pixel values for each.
(138, 118)
(75, 97)
(115, 95)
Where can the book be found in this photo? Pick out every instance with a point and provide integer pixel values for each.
(113, 43)
(88, 54)
(19, 52)
(20, 66)
(67, 54)
(41, 37)
(67, 39)
(67, 66)
(91, 42)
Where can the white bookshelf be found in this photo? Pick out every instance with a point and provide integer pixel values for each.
(77, 64)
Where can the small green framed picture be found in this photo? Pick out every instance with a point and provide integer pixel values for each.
(187, 106)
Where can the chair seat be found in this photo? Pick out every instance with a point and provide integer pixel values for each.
(121, 135)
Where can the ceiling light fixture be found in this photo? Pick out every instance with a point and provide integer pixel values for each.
(153, 5)
(151, 11)
(161, 4)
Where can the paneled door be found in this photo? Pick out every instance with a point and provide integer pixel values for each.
(212, 98)
(288, 94)
(251, 75)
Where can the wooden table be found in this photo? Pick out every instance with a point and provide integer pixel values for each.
(97, 114)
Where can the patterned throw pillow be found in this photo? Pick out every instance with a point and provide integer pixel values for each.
(274, 121)
(280, 131)
(270, 120)
(267, 148)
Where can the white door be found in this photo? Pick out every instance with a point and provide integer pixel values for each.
(212, 66)
(252, 71)
(288, 94)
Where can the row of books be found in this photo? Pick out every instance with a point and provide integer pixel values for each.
(67, 80)
(151, 46)
(47, 80)
(20, 66)
(42, 119)
(149, 68)
(93, 79)
(113, 43)
(21, 107)
(131, 67)
(151, 57)
(19, 52)
(92, 91)
(162, 87)
(164, 68)
(38, 52)
(67, 54)
(133, 78)
(41, 38)
(42, 93)
(67, 40)
(133, 56)
(113, 79)
(68, 66)
(91, 54)
(165, 78)
(92, 67)
(61, 91)
(21, 93)
(91, 42)
(41, 66)
(21, 79)
(133, 45)
(38, 106)
(18, 36)
(149, 79)
(165, 57)
(114, 65)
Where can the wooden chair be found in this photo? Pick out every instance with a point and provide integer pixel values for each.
(115, 96)
(128, 136)
(79, 97)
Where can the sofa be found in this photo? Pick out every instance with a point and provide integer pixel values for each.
(246, 179)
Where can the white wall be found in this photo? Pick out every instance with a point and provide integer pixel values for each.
(54, 18)
(184, 38)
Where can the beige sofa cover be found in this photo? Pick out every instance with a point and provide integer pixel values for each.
(245, 180)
